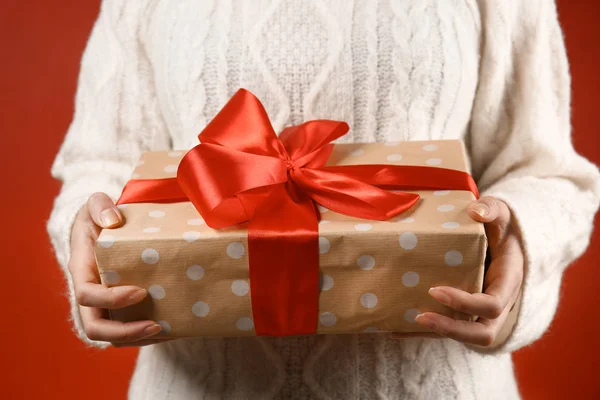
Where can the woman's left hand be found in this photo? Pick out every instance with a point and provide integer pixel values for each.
(502, 283)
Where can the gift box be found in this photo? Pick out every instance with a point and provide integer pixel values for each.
(373, 275)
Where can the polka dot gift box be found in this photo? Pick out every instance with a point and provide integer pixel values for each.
(374, 275)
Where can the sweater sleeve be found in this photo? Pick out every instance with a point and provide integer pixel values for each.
(522, 152)
(116, 118)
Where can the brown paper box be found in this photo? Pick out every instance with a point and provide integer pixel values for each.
(374, 274)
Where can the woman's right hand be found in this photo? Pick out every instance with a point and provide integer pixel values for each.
(94, 298)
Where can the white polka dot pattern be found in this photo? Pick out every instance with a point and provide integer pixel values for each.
(196, 221)
(191, 236)
(157, 292)
(171, 168)
(433, 161)
(408, 241)
(106, 241)
(450, 225)
(363, 227)
(407, 220)
(366, 262)
(394, 157)
(410, 279)
(151, 229)
(368, 300)
(157, 214)
(325, 282)
(111, 277)
(327, 319)
(411, 314)
(240, 287)
(453, 258)
(324, 245)
(441, 192)
(357, 152)
(200, 309)
(245, 324)
(166, 327)
(150, 256)
(195, 272)
(430, 147)
(235, 250)
(445, 208)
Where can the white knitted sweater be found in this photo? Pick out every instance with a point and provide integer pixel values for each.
(493, 73)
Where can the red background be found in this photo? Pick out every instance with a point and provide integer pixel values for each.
(41, 46)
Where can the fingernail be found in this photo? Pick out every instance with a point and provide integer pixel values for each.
(481, 208)
(109, 217)
(137, 295)
(425, 320)
(152, 330)
(439, 295)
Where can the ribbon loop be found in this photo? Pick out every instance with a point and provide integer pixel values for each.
(229, 128)
(310, 137)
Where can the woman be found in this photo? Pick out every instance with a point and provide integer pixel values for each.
(493, 73)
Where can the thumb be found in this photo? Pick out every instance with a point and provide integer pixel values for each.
(491, 211)
(103, 211)
(497, 218)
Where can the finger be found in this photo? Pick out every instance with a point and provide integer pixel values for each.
(502, 282)
(82, 263)
(83, 237)
(90, 294)
(103, 211)
(481, 305)
(504, 276)
(98, 328)
(481, 334)
(490, 210)
(88, 290)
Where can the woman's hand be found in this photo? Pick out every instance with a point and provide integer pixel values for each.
(94, 298)
(502, 284)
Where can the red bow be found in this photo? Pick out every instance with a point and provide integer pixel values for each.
(242, 172)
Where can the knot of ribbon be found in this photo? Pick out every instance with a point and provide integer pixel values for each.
(242, 172)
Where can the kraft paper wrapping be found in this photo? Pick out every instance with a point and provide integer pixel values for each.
(374, 274)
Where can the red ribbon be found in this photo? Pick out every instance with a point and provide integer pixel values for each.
(242, 172)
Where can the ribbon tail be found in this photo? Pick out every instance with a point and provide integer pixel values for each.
(408, 177)
(283, 248)
(352, 197)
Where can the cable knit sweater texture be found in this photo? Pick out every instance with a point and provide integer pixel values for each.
(491, 72)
